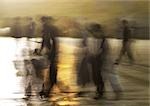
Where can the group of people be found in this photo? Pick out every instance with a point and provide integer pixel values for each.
(101, 62)
(101, 59)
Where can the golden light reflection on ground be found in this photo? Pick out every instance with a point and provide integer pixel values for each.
(66, 66)
(12, 87)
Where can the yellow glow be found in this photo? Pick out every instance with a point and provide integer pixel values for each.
(97, 10)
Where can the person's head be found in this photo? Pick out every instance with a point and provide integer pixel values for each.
(94, 27)
(46, 19)
(125, 22)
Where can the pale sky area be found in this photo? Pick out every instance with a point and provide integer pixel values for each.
(92, 9)
(103, 11)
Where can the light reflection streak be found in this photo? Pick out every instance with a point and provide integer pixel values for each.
(11, 87)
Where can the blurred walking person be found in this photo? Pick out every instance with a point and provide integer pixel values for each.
(126, 43)
(49, 42)
(107, 68)
(102, 65)
(96, 59)
(83, 67)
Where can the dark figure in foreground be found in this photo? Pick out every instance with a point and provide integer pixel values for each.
(96, 59)
(49, 42)
(102, 64)
(126, 43)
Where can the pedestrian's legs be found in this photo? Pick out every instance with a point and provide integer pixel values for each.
(129, 52)
(49, 80)
(28, 87)
(109, 74)
(100, 87)
(122, 52)
(113, 79)
(52, 78)
(97, 78)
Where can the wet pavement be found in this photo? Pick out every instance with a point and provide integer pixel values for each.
(134, 78)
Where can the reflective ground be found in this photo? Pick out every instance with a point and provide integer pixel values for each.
(133, 78)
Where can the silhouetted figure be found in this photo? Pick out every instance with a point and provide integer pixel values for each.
(83, 69)
(107, 68)
(102, 64)
(96, 59)
(49, 42)
(126, 43)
